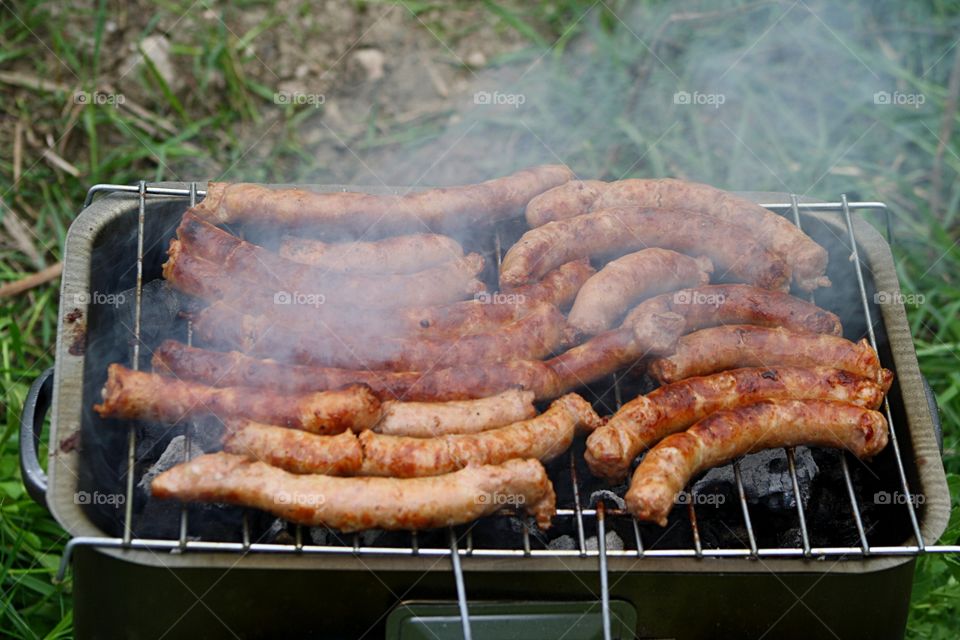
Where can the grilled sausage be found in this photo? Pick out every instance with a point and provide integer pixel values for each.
(613, 232)
(489, 311)
(732, 347)
(294, 450)
(439, 210)
(725, 435)
(651, 334)
(807, 259)
(533, 336)
(605, 297)
(400, 254)
(138, 395)
(429, 419)
(645, 420)
(434, 385)
(355, 504)
(713, 305)
(206, 280)
(544, 437)
(286, 278)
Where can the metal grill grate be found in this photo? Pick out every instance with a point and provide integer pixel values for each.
(581, 516)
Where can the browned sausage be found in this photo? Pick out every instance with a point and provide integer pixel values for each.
(624, 347)
(205, 280)
(732, 347)
(613, 232)
(429, 419)
(533, 336)
(605, 297)
(646, 420)
(288, 279)
(138, 395)
(438, 210)
(544, 437)
(400, 254)
(725, 435)
(713, 305)
(435, 385)
(294, 450)
(354, 504)
(807, 259)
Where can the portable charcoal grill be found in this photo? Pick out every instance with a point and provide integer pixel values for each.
(831, 559)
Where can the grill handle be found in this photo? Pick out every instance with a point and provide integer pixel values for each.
(31, 425)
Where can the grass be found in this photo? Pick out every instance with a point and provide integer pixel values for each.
(797, 80)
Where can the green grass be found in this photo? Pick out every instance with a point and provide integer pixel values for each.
(798, 82)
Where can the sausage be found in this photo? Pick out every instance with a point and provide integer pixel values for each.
(605, 297)
(544, 437)
(488, 311)
(533, 336)
(294, 450)
(355, 504)
(725, 435)
(713, 305)
(434, 385)
(440, 210)
(807, 259)
(732, 347)
(139, 395)
(400, 254)
(284, 278)
(619, 348)
(206, 281)
(613, 232)
(645, 420)
(429, 419)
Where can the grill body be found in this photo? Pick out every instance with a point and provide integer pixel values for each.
(152, 575)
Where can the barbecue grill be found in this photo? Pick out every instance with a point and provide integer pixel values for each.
(835, 555)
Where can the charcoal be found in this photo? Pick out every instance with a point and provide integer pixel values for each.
(562, 543)
(766, 479)
(159, 310)
(172, 456)
(614, 542)
(607, 496)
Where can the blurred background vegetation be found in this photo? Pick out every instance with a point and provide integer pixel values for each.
(816, 98)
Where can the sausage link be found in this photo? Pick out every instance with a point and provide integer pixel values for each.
(605, 297)
(440, 210)
(138, 395)
(732, 347)
(614, 232)
(355, 504)
(645, 420)
(724, 436)
(430, 419)
(807, 259)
